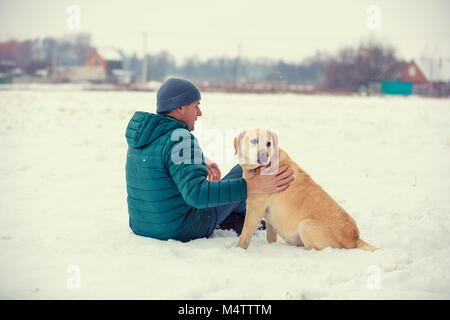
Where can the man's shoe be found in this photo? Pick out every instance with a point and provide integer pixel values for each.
(234, 222)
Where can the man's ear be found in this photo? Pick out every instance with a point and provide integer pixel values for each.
(179, 110)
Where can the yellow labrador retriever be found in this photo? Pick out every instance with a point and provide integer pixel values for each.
(304, 214)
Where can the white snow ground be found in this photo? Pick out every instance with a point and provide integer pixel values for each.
(64, 224)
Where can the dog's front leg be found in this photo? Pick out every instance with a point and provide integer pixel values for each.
(254, 215)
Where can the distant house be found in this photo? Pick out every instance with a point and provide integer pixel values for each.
(108, 58)
(111, 61)
(95, 60)
(412, 73)
(101, 65)
(94, 71)
(410, 80)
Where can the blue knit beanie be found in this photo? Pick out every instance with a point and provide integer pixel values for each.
(175, 93)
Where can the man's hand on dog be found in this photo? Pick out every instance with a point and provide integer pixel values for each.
(271, 183)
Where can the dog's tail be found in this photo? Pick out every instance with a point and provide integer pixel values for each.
(361, 244)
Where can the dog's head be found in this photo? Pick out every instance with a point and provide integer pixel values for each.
(257, 148)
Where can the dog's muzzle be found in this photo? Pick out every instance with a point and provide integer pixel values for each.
(263, 157)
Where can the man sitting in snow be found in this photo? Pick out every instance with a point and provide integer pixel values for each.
(174, 192)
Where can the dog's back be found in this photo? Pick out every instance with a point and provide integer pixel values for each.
(311, 205)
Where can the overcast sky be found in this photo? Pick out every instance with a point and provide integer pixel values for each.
(287, 29)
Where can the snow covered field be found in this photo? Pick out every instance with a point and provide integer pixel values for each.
(64, 224)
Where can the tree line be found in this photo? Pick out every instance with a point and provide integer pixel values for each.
(348, 69)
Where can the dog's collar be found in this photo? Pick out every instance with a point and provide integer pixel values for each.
(257, 168)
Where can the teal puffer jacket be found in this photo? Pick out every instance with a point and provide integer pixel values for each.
(169, 195)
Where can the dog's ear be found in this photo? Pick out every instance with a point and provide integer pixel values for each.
(238, 140)
(275, 140)
(275, 158)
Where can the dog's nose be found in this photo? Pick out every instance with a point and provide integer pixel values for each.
(262, 157)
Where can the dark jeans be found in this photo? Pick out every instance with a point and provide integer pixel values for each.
(222, 212)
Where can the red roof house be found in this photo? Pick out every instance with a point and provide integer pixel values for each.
(412, 73)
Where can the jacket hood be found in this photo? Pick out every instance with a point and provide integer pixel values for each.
(145, 127)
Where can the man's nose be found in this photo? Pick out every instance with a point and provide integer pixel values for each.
(199, 113)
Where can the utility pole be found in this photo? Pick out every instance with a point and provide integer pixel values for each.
(144, 59)
(439, 69)
(238, 64)
(53, 73)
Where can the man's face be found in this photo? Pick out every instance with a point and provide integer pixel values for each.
(189, 114)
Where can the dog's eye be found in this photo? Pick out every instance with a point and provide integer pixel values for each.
(254, 141)
(268, 144)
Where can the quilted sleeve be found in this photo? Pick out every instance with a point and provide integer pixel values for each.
(184, 160)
